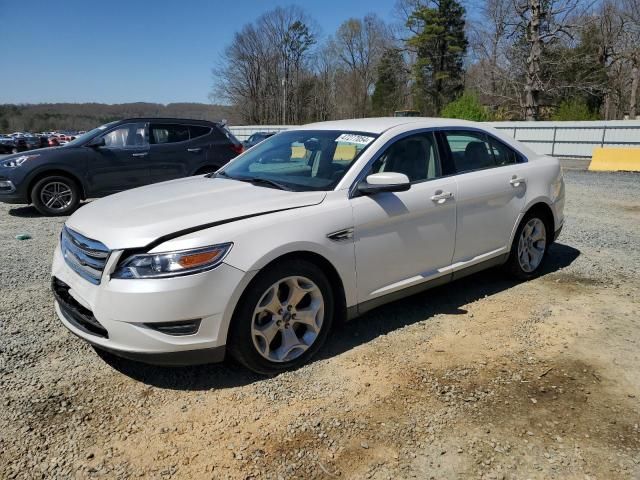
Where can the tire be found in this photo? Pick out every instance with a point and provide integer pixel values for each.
(529, 248)
(260, 338)
(63, 190)
(15, 150)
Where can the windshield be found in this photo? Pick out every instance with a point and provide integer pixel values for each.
(86, 136)
(301, 160)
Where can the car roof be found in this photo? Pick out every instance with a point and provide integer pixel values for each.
(168, 119)
(381, 124)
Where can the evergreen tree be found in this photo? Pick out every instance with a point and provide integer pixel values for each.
(440, 43)
(388, 95)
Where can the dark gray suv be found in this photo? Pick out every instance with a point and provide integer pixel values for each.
(114, 157)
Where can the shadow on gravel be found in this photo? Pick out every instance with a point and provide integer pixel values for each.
(29, 211)
(446, 299)
(199, 377)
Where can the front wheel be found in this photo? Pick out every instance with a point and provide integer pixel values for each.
(55, 195)
(529, 248)
(283, 318)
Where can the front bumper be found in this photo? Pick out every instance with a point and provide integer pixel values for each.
(116, 314)
(12, 187)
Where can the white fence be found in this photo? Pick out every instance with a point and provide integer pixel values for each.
(560, 139)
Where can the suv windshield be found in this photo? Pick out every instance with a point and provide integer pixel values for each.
(300, 160)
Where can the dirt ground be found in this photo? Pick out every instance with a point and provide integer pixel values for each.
(483, 378)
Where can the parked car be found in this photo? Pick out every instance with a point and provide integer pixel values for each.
(115, 157)
(256, 138)
(19, 144)
(317, 223)
(32, 142)
(7, 144)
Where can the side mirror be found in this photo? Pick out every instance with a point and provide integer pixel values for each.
(385, 182)
(96, 142)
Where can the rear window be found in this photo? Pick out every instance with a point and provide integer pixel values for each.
(168, 133)
(199, 131)
(229, 135)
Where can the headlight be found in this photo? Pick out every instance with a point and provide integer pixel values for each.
(17, 161)
(172, 264)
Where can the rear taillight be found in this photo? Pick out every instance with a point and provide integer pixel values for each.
(238, 149)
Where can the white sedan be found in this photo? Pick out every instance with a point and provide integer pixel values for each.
(315, 224)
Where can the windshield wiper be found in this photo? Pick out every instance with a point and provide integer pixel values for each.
(263, 181)
(254, 180)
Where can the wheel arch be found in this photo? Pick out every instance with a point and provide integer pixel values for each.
(543, 208)
(56, 171)
(336, 282)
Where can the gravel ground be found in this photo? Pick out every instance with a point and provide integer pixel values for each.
(453, 383)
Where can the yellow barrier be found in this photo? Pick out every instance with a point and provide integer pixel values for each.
(615, 160)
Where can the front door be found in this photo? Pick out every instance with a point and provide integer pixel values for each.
(405, 238)
(121, 163)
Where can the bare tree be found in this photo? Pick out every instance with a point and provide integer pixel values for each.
(262, 70)
(541, 22)
(631, 50)
(359, 44)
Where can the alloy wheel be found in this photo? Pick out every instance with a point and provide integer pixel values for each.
(56, 196)
(532, 244)
(288, 318)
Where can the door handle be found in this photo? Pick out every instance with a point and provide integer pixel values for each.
(194, 150)
(516, 181)
(441, 197)
(142, 154)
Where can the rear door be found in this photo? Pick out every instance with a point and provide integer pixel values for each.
(491, 181)
(121, 163)
(169, 151)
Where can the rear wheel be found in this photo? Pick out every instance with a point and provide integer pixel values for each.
(529, 247)
(55, 195)
(283, 318)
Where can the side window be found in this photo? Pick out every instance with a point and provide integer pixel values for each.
(503, 154)
(129, 135)
(168, 133)
(469, 150)
(198, 131)
(416, 156)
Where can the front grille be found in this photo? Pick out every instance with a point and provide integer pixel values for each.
(85, 256)
(80, 317)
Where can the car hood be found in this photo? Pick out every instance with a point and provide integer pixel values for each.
(138, 217)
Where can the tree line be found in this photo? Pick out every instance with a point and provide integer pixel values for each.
(46, 117)
(496, 59)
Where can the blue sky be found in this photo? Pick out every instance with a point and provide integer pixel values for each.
(132, 50)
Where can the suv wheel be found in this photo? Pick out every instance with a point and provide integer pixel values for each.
(55, 195)
(283, 318)
(529, 247)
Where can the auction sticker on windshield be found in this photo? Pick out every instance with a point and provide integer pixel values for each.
(353, 138)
